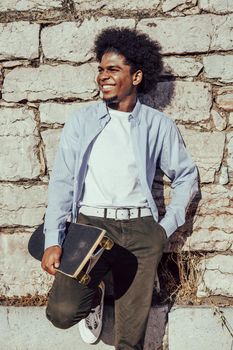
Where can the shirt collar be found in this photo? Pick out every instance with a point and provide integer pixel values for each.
(103, 111)
(136, 111)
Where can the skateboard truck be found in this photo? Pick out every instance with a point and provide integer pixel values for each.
(106, 243)
(84, 277)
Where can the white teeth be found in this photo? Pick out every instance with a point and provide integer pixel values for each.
(107, 87)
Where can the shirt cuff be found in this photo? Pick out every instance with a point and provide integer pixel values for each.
(53, 238)
(168, 226)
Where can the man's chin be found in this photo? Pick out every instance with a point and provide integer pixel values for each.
(110, 100)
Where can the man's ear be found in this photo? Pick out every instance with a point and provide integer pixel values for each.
(137, 77)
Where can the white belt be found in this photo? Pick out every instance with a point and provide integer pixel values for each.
(116, 213)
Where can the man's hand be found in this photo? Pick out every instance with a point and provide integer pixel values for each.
(51, 259)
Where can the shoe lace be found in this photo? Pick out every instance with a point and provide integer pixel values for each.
(92, 320)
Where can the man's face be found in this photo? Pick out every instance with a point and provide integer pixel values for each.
(114, 78)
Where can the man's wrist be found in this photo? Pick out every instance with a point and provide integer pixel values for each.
(53, 246)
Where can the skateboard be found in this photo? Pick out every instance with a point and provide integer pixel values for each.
(82, 248)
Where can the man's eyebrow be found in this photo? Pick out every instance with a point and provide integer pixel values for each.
(110, 67)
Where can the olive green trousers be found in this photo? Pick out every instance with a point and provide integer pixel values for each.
(133, 261)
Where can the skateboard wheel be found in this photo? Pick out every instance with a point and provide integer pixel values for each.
(106, 243)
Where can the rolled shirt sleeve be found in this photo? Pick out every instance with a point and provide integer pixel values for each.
(60, 191)
(177, 164)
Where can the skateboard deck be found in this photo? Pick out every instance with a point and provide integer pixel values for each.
(82, 248)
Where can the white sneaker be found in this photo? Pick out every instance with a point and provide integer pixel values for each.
(91, 326)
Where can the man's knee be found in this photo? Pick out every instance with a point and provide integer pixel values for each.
(63, 316)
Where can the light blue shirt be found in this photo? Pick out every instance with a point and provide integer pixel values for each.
(156, 143)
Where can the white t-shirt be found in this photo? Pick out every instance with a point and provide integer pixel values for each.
(112, 176)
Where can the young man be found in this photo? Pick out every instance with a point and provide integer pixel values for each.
(104, 169)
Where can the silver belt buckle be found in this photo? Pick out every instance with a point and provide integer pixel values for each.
(122, 209)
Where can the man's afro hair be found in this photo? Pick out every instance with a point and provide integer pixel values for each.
(138, 49)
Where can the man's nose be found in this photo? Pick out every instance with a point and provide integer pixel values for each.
(104, 75)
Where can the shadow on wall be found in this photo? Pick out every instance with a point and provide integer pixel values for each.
(159, 99)
(170, 279)
(162, 96)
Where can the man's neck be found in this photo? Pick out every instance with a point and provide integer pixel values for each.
(123, 106)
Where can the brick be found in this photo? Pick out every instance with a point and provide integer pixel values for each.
(211, 222)
(51, 113)
(231, 119)
(19, 144)
(121, 5)
(222, 35)
(181, 66)
(22, 205)
(216, 6)
(215, 201)
(71, 41)
(48, 82)
(169, 5)
(186, 101)
(17, 122)
(199, 327)
(193, 33)
(210, 229)
(224, 98)
(219, 120)
(230, 150)
(206, 150)
(51, 139)
(26, 5)
(28, 277)
(219, 67)
(217, 276)
(19, 40)
(224, 178)
(202, 239)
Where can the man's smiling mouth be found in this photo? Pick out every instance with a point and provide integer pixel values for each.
(106, 87)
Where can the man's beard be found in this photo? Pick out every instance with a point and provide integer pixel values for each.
(111, 101)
